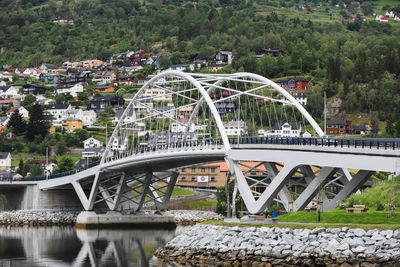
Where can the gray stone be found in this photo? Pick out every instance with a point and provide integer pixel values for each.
(358, 249)
(348, 253)
(358, 232)
(331, 248)
(343, 247)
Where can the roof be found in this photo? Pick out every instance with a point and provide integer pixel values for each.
(225, 52)
(59, 106)
(119, 112)
(4, 155)
(72, 119)
(102, 87)
(94, 149)
(92, 138)
(293, 125)
(297, 79)
(360, 128)
(11, 110)
(336, 122)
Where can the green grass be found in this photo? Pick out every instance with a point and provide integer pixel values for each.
(202, 204)
(25, 156)
(307, 226)
(179, 191)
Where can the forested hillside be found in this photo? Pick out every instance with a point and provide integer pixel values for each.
(357, 60)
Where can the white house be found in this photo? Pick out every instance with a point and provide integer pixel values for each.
(92, 142)
(42, 100)
(120, 144)
(92, 152)
(287, 129)
(129, 119)
(5, 160)
(74, 90)
(158, 94)
(9, 91)
(389, 14)
(59, 111)
(299, 96)
(381, 18)
(21, 110)
(2, 83)
(397, 18)
(88, 117)
(235, 128)
(182, 67)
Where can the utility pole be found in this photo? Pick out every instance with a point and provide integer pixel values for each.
(325, 112)
(47, 163)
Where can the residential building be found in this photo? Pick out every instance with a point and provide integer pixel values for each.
(300, 97)
(157, 94)
(293, 83)
(92, 142)
(223, 57)
(5, 161)
(224, 108)
(235, 128)
(180, 126)
(100, 103)
(103, 89)
(129, 119)
(92, 152)
(360, 129)
(270, 52)
(42, 100)
(21, 110)
(88, 117)
(165, 111)
(216, 67)
(182, 67)
(390, 14)
(185, 112)
(6, 103)
(120, 143)
(202, 176)
(63, 20)
(286, 129)
(74, 90)
(336, 127)
(397, 18)
(59, 111)
(9, 91)
(381, 18)
(6, 75)
(50, 77)
(34, 89)
(72, 124)
(163, 138)
(125, 81)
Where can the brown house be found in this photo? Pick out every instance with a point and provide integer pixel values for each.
(336, 127)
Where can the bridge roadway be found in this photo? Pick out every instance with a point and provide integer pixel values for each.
(334, 154)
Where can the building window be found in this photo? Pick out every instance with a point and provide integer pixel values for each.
(193, 179)
(203, 170)
(212, 169)
(183, 179)
(212, 179)
(183, 169)
(193, 169)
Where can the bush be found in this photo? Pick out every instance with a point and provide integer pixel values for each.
(379, 206)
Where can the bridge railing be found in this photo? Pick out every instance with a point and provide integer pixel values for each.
(366, 143)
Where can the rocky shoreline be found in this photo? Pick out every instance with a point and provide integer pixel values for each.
(210, 245)
(38, 218)
(50, 218)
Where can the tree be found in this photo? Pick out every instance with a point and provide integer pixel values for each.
(38, 124)
(28, 100)
(65, 164)
(60, 99)
(35, 170)
(374, 124)
(17, 123)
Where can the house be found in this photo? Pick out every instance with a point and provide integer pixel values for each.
(108, 77)
(6, 103)
(100, 103)
(8, 91)
(381, 18)
(360, 129)
(73, 90)
(157, 94)
(165, 111)
(92, 152)
(5, 161)
(71, 124)
(270, 52)
(48, 67)
(336, 127)
(6, 75)
(180, 126)
(223, 57)
(92, 142)
(129, 119)
(34, 89)
(88, 117)
(182, 67)
(216, 67)
(75, 76)
(3, 83)
(120, 143)
(7, 68)
(63, 20)
(286, 129)
(235, 128)
(59, 111)
(42, 100)
(185, 112)
(293, 83)
(202, 176)
(21, 110)
(91, 63)
(390, 14)
(125, 81)
(397, 18)
(50, 77)
(300, 97)
(224, 108)
(103, 89)
(223, 93)
(163, 138)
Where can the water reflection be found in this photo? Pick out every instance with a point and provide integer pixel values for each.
(67, 246)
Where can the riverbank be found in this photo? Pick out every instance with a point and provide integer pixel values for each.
(266, 246)
(49, 218)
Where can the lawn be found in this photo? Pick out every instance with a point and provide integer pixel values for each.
(198, 204)
(341, 217)
(25, 156)
(179, 191)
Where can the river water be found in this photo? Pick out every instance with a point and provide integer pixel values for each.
(67, 246)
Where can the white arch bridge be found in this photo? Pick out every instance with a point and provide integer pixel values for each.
(274, 149)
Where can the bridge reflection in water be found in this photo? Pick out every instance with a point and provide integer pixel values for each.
(67, 246)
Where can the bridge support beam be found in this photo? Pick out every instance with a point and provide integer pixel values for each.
(351, 187)
(312, 189)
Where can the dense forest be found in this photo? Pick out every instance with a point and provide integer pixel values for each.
(359, 61)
